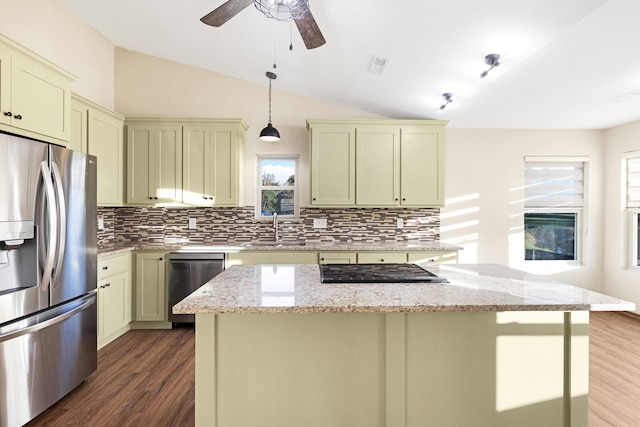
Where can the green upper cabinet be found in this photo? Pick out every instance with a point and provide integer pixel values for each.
(212, 161)
(99, 132)
(35, 95)
(378, 166)
(422, 166)
(154, 164)
(195, 162)
(377, 163)
(333, 165)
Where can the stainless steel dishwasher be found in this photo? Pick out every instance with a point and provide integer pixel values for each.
(186, 272)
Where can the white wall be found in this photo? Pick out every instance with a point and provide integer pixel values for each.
(49, 29)
(619, 280)
(484, 191)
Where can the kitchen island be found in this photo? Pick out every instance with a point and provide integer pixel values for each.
(492, 347)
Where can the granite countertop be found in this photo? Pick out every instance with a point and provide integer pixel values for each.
(284, 246)
(473, 287)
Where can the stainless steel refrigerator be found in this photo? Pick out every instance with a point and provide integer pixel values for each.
(48, 256)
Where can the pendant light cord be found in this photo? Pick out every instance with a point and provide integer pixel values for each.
(270, 101)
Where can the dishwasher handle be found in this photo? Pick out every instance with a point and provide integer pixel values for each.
(195, 256)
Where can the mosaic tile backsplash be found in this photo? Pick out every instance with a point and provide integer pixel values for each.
(170, 226)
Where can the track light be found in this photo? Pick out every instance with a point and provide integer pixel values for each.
(492, 60)
(448, 99)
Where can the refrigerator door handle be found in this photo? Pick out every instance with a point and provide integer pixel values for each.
(61, 217)
(47, 270)
(89, 300)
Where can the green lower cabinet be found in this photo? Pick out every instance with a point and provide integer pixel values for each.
(151, 293)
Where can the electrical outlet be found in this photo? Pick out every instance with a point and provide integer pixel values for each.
(320, 223)
(399, 223)
(192, 223)
(100, 224)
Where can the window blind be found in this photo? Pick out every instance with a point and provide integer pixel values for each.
(633, 182)
(554, 184)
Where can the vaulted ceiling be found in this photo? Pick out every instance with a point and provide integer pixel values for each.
(571, 64)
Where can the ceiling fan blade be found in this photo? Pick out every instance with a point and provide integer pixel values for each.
(309, 30)
(226, 11)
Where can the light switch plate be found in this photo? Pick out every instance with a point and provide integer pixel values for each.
(399, 223)
(192, 223)
(319, 222)
(100, 224)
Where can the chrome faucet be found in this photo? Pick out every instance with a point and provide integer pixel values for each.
(275, 225)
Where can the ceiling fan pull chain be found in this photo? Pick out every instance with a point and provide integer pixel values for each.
(274, 46)
(291, 35)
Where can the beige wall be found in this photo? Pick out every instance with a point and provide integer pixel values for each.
(618, 278)
(484, 191)
(52, 31)
(150, 86)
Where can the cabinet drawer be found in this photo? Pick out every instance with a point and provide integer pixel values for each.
(381, 257)
(112, 264)
(335, 257)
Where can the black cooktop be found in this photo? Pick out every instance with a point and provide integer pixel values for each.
(376, 273)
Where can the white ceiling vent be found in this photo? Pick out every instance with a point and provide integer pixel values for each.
(377, 64)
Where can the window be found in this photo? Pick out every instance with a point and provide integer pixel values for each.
(554, 200)
(633, 206)
(277, 186)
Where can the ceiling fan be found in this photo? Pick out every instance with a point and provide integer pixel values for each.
(281, 10)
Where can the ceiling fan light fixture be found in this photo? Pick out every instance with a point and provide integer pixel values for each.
(269, 133)
(282, 10)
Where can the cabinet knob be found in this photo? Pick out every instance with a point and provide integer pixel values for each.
(18, 117)
(314, 198)
(150, 198)
(156, 198)
(404, 200)
(204, 197)
(381, 260)
(8, 113)
(159, 259)
(105, 267)
(321, 259)
(396, 199)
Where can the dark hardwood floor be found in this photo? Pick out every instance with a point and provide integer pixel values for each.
(146, 377)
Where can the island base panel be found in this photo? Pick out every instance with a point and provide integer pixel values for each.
(392, 369)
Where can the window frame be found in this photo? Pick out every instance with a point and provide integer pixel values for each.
(579, 211)
(632, 213)
(295, 187)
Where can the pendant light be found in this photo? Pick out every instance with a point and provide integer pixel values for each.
(269, 133)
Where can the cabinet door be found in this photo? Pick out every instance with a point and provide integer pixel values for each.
(378, 166)
(78, 137)
(105, 142)
(40, 100)
(422, 167)
(167, 179)
(5, 86)
(195, 166)
(140, 164)
(223, 166)
(150, 287)
(115, 304)
(333, 166)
